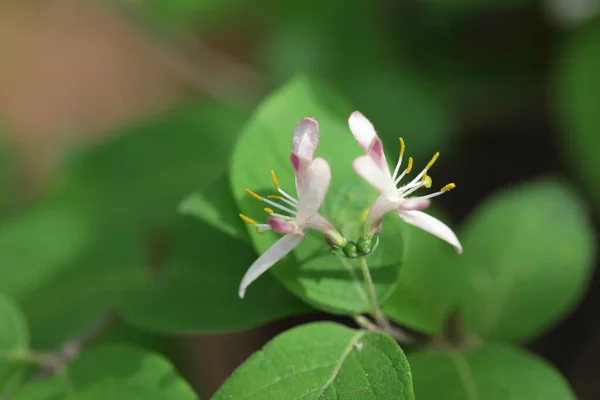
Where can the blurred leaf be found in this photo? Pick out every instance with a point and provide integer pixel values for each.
(578, 85)
(137, 179)
(422, 300)
(215, 206)
(14, 338)
(113, 372)
(528, 255)
(357, 53)
(492, 372)
(91, 240)
(315, 274)
(325, 361)
(198, 289)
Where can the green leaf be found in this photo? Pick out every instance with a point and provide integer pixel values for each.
(215, 206)
(422, 300)
(492, 372)
(313, 273)
(14, 339)
(324, 361)
(204, 268)
(528, 255)
(577, 86)
(113, 372)
(137, 179)
(105, 217)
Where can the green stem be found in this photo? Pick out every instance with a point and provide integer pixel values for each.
(377, 313)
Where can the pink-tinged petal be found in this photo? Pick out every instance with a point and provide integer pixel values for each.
(375, 151)
(283, 226)
(299, 163)
(320, 223)
(306, 138)
(312, 185)
(362, 130)
(368, 169)
(280, 249)
(380, 207)
(414, 203)
(431, 225)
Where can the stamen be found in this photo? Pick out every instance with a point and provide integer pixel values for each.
(402, 147)
(410, 165)
(284, 217)
(406, 171)
(268, 210)
(448, 187)
(248, 220)
(426, 180)
(433, 160)
(274, 197)
(251, 193)
(275, 181)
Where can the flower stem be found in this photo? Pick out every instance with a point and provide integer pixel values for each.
(377, 313)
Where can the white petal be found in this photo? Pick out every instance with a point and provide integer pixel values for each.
(280, 249)
(431, 225)
(306, 138)
(415, 203)
(362, 130)
(312, 185)
(376, 153)
(319, 223)
(380, 207)
(368, 169)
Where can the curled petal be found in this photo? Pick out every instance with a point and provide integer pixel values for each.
(380, 207)
(414, 203)
(376, 153)
(306, 138)
(312, 185)
(299, 163)
(280, 249)
(431, 225)
(362, 130)
(283, 226)
(320, 223)
(368, 169)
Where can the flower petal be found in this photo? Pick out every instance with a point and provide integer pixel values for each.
(320, 223)
(282, 226)
(280, 249)
(380, 207)
(368, 169)
(362, 130)
(376, 153)
(431, 225)
(306, 138)
(414, 203)
(312, 184)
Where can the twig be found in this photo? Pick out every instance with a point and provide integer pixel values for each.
(72, 348)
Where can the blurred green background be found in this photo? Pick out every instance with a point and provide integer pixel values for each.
(112, 112)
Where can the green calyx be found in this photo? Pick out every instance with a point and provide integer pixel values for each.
(350, 249)
(366, 246)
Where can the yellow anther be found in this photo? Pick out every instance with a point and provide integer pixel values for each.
(251, 193)
(274, 197)
(426, 180)
(448, 187)
(275, 181)
(248, 220)
(402, 147)
(410, 165)
(268, 210)
(433, 160)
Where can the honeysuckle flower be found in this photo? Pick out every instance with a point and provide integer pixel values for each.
(373, 167)
(295, 216)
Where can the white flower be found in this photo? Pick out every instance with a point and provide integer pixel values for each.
(291, 216)
(374, 169)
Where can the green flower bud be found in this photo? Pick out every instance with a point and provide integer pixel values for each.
(350, 249)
